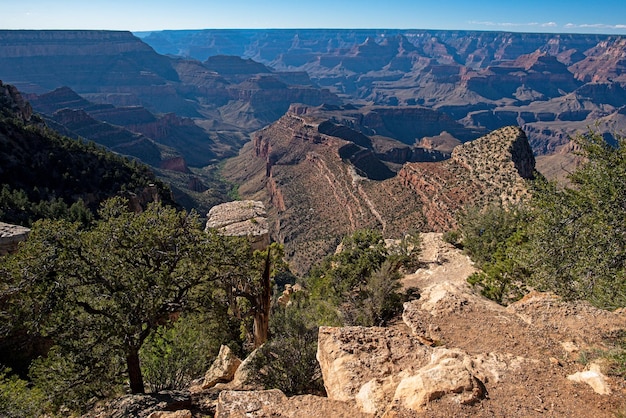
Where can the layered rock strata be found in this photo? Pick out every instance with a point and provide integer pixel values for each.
(322, 180)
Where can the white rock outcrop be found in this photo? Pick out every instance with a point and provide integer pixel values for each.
(242, 218)
(594, 377)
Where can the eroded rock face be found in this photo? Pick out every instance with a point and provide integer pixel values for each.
(11, 98)
(246, 218)
(321, 178)
(381, 368)
(350, 357)
(492, 168)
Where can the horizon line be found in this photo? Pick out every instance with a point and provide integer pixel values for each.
(142, 31)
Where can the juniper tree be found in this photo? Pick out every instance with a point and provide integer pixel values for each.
(112, 285)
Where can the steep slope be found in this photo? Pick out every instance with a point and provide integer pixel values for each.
(106, 66)
(177, 148)
(47, 166)
(130, 130)
(321, 184)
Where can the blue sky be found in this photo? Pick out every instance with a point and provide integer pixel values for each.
(598, 16)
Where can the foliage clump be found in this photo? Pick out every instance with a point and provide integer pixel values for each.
(288, 360)
(358, 285)
(567, 240)
(17, 398)
(362, 279)
(493, 237)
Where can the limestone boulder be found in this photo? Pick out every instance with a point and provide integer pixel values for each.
(223, 368)
(245, 218)
(379, 369)
(243, 378)
(350, 357)
(377, 394)
(446, 374)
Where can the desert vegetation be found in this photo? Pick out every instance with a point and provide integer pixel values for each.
(568, 240)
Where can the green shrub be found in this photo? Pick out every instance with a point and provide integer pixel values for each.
(495, 239)
(362, 280)
(177, 353)
(453, 237)
(288, 360)
(578, 234)
(17, 398)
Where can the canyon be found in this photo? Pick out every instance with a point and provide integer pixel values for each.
(340, 130)
(370, 123)
(350, 184)
(552, 85)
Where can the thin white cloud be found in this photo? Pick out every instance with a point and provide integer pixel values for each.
(594, 26)
(513, 24)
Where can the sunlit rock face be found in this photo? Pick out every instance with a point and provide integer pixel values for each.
(246, 218)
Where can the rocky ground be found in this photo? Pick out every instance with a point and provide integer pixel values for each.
(453, 354)
(475, 357)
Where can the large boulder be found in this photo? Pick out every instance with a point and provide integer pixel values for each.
(223, 368)
(244, 218)
(382, 368)
(350, 357)
(446, 374)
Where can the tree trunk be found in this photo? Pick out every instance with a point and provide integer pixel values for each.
(262, 314)
(134, 371)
